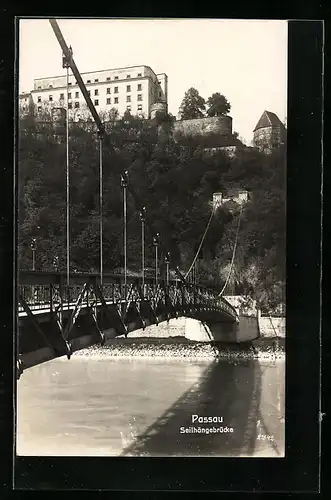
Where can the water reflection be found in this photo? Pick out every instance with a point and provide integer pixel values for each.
(229, 390)
(94, 407)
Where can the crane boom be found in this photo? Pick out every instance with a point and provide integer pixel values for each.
(76, 73)
(67, 53)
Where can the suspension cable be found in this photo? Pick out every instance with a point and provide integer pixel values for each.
(234, 269)
(233, 254)
(201, 242)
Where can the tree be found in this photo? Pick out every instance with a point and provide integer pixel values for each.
(218, 105)
(192, 106)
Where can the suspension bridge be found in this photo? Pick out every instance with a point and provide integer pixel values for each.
(59, 313)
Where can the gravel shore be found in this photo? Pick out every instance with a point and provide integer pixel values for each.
(179, 347)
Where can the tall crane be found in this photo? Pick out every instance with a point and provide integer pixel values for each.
(67, 53)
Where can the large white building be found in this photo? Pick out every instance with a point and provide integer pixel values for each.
(134, 88)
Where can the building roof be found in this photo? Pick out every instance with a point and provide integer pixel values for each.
(101, 71)
(268, 119)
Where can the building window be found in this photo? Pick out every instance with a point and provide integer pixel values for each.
(116, 78)
(139, 86)
(25, 99)
(39, 109)
(115, 90)
(50, 98)
(39, 99)
(76, 95)
(128, 98)
(96, 80)
(159, 82)
(96, 102)
(69, 95)
(89, 92)
(108, 90)
(108, 100)
(160, 94)
(96, 92)
(23, 108)
(140, 107)
(128, 88)
(88, 81)
(139, 74)
(128, 76)
(116, 100)
(76, 104)
(140, 97)
(108, 78)
(61, 97)
(69, 105)
(69, 83)
(50, 86)
(39, 88)
(128, 108)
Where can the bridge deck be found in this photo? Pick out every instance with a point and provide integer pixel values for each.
(54, 319)
(46, 308)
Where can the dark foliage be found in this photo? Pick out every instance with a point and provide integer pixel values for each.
(176, 184)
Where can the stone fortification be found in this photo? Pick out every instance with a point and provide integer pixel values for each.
(214, 131)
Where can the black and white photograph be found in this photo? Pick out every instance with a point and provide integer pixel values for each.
(151, 160)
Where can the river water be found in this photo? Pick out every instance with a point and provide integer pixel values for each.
(105, 406)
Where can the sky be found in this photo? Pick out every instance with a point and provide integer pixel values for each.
(245, 60)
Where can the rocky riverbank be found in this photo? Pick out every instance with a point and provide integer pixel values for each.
(182, 348)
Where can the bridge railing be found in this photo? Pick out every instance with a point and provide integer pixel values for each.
(39, 289)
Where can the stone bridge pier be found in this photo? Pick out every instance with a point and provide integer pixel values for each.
(246, 330)
(192, 329)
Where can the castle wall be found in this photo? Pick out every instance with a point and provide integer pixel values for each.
(217, 125)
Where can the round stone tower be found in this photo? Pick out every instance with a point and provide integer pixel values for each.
(158, 107)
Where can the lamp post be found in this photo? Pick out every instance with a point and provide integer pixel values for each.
(33, 246)
(66, 64)
(124, 184)
(156, 244)
(142, 219)
(167, 261)
(100, 136)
